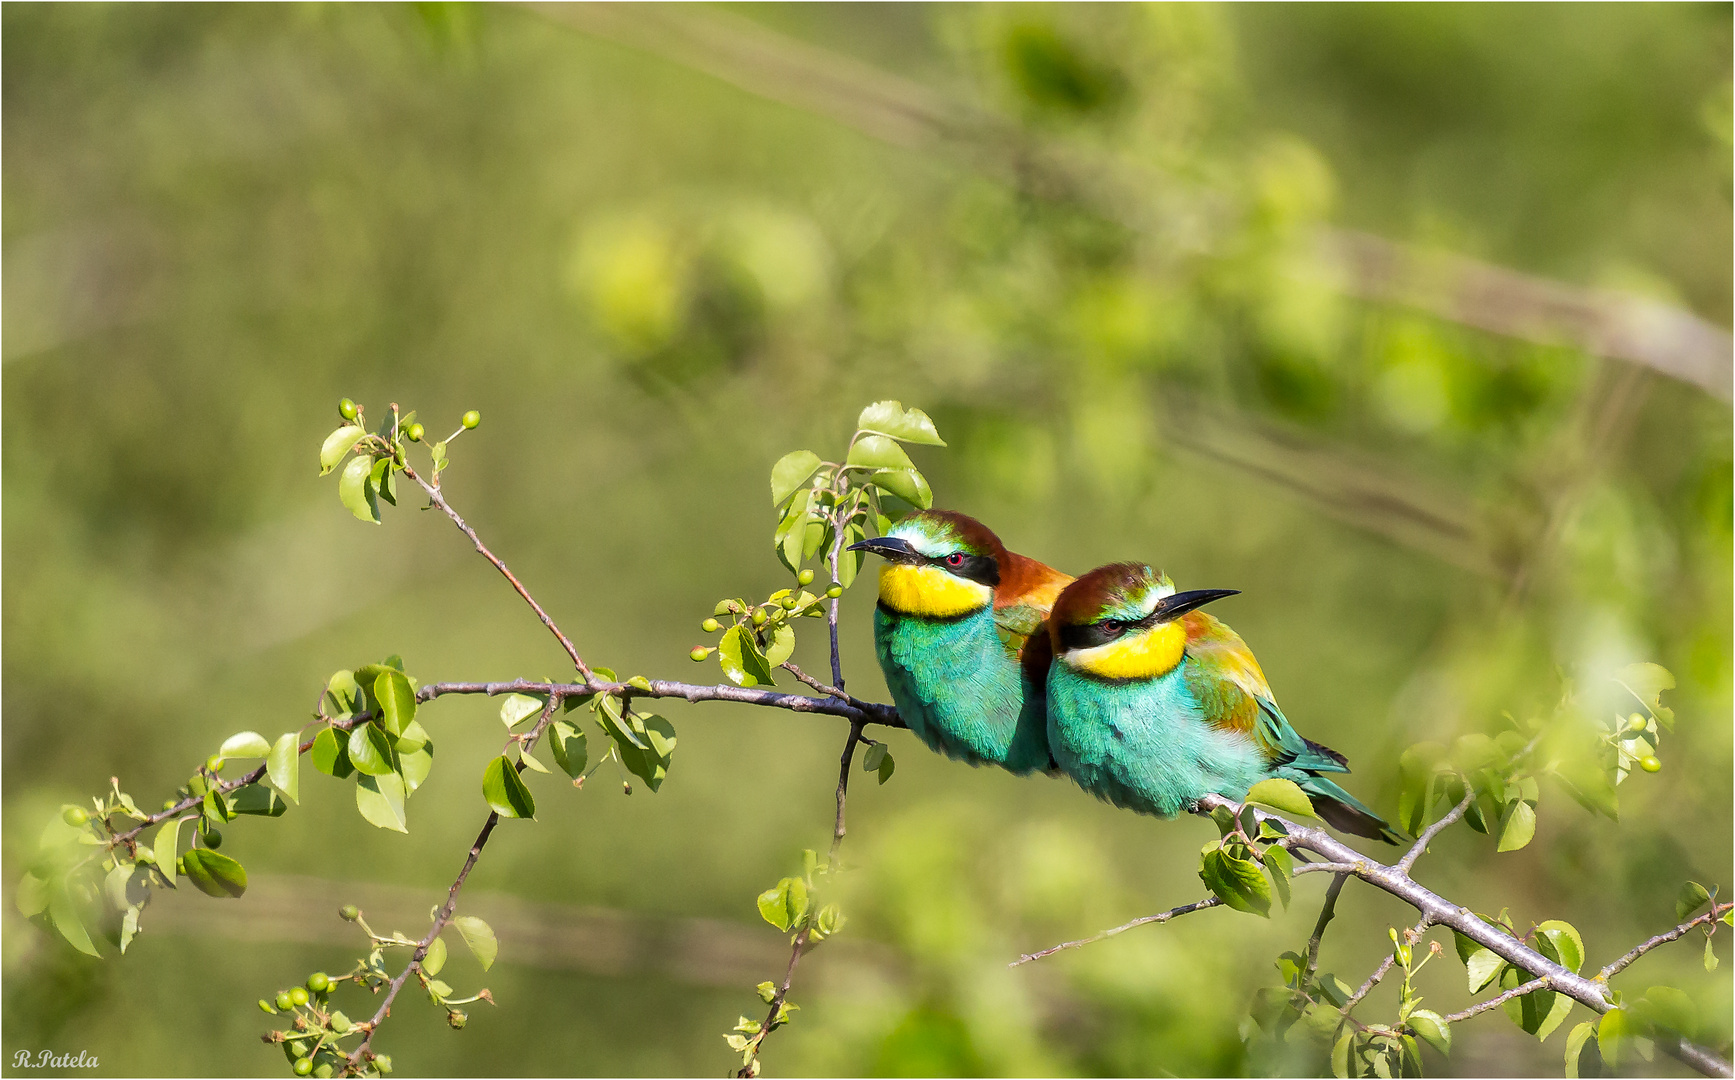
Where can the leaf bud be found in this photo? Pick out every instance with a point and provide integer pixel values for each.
(265, 1007)
(457, 1018)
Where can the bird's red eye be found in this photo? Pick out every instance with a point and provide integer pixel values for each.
(955, 559)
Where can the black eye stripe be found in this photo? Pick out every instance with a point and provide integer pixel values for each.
(978, 568)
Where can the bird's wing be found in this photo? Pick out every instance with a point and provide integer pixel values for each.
(1232, 691)
(1026, 593)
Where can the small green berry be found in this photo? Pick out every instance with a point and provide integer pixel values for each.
(265, 1007)
(759, 618)
(1635, 723)
(471, 419)
(303, 1066)
(346, 409)
(349, 913)
(298, 994)
(710, 626)
(1651, 764)
(805, 577)
(319, 982)
(214, 764)
(212, 839)
(699, 653)
(834, 592)
(284, 1001)
(415, 432)
(76, 816)
(789, 603)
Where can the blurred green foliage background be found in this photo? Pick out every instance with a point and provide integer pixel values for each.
(659, 247)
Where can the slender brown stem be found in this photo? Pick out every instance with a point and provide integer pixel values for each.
(1327, 911)
(439, 500)
(1496, 1002)
(1446, 821)
(1616, 967)
(1414, 935)
(1162, 917)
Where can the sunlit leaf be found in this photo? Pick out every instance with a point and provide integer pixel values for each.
(337, 444)
(1691, 898)
(517, 708)
(790, 473)
(370, 750)
(215, 874)
(1284, 796)
(381, 801)
(283, 765)
(505, 791)
(479, 936)
(1520, 826)
(354, 491)
(246, 744)
(397, 700)
(435, 958)
(891, 418)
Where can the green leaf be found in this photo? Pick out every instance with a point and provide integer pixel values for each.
(283, 765)
(879, 452)
(330, 753)
(782, 644)
(257, 799)
(1433, 1029)
(480, 937)
(1575, 1046)
(1340, 1051)
(63, 912)
(397, 700)
(891, 418)
(1520, 826)
(875, 754)
(1691, 898)
(354, 491)
(244, 745)
(381, 801)
(886, 766)
(1284, 796)
(435, 959)
(1669, 1008)
(568, 745)
(849, 562)
(215, 874)
(114, 884)
(337, 444)
(790, 473)
(729, 658)
(216, 808)
(129, 927)
(32, 895)
(415, 756)
(341, 696)
(1568, 946)
(166, 848)
(517, 708)
(1615, 1035)
(530, 761)
(1531, 1010)
(791, 536)
(1236, 882)
(505, 792)
(1710, 956)
(774, 904)
(1647, 683)
(370, 750)
(907, 484)
(1482, 968)
(383, 480)
(1280, 865)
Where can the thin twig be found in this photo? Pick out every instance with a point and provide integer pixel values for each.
(1172, 913)
(1446, 821)
(439, 500)
(866, 711)
(844, 763)
(1678, 932)
(1413, 935)
(1496, 1002)
(1327, 912)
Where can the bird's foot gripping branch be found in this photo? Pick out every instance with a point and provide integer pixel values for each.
(1536, 975)
(96, 869)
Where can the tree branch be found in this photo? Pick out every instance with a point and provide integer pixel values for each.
(1496, 1002)
(1327, 912)
(1446, 821)
(1172, 913)
(1620, 965)
(865, 711)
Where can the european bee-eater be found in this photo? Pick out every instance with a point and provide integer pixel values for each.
(1153, 704)
(957, 615)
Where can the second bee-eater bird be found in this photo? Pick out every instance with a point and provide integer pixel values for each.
(1153, 704)
(955, 616)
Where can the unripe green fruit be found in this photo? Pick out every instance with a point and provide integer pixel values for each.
(303, 1066)
(349, 913)
(212, 839)
(699, 653)
(265, 1006)
(346, 409)
(805, 577)
(214, 764)
(834, 592)
(710, 626)
(319, 982)
(298, 994)
(789, 603)
(415, 432)
(285, 1002)
(76, 816)
(471, 419)
(1635, 723)
(1651, 764)
(759, 618)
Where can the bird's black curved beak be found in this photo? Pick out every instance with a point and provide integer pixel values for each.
(1178, 604)
(889, 547)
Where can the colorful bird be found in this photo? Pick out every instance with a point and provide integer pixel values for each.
(957, 615)
(1153, 704)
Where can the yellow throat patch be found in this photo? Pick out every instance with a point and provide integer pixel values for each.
(1135, 656)
(930, 591)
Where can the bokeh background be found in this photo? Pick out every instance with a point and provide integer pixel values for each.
(1408, 321)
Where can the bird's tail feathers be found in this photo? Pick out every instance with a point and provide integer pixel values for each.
(1342, 811)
